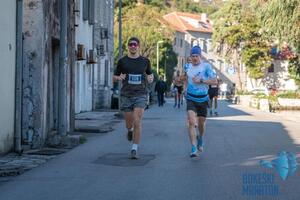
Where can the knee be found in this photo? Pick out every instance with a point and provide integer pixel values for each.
(192, 123)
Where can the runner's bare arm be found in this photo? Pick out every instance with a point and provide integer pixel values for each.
(119, 78)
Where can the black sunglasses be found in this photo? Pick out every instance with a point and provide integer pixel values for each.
(133, 44)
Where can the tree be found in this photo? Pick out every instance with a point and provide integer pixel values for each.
(238, 37)
(228, 35)
(142, 21)
(281, 21)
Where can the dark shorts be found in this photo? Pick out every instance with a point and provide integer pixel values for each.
(129, 103)
(199, 108)
(179, 89)
(213, 92)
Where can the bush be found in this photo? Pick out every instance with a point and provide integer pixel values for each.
(243, 92)
(289, 95)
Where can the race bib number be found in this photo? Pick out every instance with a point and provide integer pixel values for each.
(135, 79)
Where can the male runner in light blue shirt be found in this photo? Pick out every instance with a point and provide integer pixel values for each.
(198, 77)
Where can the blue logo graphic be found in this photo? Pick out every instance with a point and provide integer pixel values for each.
(285, 164)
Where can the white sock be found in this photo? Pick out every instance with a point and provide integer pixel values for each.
(134, 147)
(130, 129)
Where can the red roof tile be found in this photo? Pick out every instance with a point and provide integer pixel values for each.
(184, 22)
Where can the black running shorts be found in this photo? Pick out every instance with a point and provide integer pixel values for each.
(213, 92)
(199, 108)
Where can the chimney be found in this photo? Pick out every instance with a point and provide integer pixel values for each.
(203, 17)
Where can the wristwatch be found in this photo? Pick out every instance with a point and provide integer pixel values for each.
(201, 81)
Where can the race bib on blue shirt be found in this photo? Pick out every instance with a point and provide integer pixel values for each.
(134, 79)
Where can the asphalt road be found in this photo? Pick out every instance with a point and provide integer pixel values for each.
(229, 167)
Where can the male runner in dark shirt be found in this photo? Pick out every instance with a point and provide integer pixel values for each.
(134, 71)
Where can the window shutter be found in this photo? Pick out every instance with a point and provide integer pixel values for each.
(92, 19)
(85, 10)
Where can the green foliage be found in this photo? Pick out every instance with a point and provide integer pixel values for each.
(167, 62)
(256, 60)
(227, 26)
(289, 95)
(142, 22)
(238, 29)
(281, 20)
(294, 69)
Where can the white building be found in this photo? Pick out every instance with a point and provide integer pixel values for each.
(85, 19)
(190, 30)
(7, 75)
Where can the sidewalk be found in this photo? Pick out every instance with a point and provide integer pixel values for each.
(288, 115)
(86, 124)
(96, 121)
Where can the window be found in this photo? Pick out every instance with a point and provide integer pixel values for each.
(88, 12)
(181, 42)
(175, 41)
(100, 49)
(85, 10)
(104, 33)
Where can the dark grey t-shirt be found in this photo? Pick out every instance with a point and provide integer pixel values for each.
(136, 70)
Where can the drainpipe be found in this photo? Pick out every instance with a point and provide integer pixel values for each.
(18, 78)
(120, 51)
(63, 59)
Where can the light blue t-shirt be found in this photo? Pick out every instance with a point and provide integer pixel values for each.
(186, 67)
(198, 92)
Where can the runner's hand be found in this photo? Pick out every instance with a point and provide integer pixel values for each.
(122, 77)
(196, 80)
(150, 78)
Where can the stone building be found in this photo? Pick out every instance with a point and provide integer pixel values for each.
(44, 90)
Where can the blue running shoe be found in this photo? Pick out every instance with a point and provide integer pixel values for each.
(200, 143)
(194, 151)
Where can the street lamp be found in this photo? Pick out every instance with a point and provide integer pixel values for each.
(157, 56)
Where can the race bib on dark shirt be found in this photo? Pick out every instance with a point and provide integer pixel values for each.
(134, 79)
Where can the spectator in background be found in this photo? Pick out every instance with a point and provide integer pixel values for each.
(160, 88)
(223, 90)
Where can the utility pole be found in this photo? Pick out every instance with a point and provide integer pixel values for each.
(63, 59)
(157, 56)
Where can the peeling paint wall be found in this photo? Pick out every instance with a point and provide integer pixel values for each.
(40, 71)
(7, 76)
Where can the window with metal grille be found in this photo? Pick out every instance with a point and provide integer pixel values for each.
(104, 33)
(100, 49)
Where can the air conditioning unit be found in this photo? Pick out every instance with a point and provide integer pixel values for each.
(92, 57)
(81, 52)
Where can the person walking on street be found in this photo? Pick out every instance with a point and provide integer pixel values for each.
(134, 71)
(198, 77)
(223, 89)
(178, 84)
(213, 93)
(160, 88)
